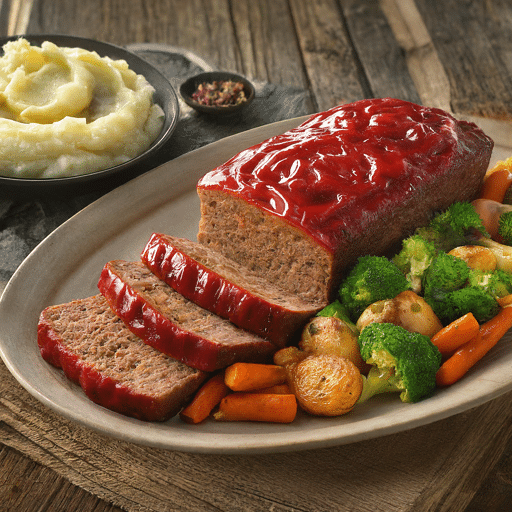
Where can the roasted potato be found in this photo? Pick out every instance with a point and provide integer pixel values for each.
(289, 355)
(476, 256)
(407, 310)
(382, 311)
(325, 385)
(330, 335)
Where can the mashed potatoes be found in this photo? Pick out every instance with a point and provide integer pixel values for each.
(67, 111)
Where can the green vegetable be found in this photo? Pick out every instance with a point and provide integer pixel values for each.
(469, 299)
(334, 309)
(452, 289)
(458, 225)
(497, 283)
(414, 258)
(446, 273)
(505, 227)
(373, 278)
(402, 361)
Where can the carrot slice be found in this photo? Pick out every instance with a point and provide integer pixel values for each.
(471, 352)
(504, 301)
(496, 184)
(278, 389)
(497, 327)
(257, 407)
(455, 334)
(250, 376)
(208, 396)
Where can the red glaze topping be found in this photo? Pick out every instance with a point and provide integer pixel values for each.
(368, 150)
(220, 295)
(100, 388)
(167, 336)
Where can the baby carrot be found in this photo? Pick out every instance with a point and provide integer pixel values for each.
(455, 334)
(257, 407)
(278, 389)
(208, 396)
(496, 327)
(504, 301)
(250, 376)
(496, 184)
(471, 352)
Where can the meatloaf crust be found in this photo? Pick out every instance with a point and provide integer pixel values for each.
(223, 287)
(169, 322)
(300, 207)
(114, 368)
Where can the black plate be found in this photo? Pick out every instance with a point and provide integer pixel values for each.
(164, 96)
(188, 88)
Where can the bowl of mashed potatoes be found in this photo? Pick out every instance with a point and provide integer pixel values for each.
(74, 109)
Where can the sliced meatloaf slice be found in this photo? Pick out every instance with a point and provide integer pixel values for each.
(112, 365)
(301, 207)
(223, 287)
(169, 322)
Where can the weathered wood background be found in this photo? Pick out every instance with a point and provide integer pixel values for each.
(455, 54)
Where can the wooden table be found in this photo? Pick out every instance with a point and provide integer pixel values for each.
(454, 54)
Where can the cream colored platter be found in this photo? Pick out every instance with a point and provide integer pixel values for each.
(66, 266)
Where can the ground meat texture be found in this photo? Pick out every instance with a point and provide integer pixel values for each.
(112, 365)
(169, 322)
(223, 287)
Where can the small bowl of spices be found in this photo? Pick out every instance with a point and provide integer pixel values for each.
(217, 92)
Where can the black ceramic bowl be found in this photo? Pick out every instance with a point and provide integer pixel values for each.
(164, 96)
(188, 88)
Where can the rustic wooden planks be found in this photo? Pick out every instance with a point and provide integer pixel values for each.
(330, 61)
(381, 56)
(28, 486)
(338, 50)
(473, 41)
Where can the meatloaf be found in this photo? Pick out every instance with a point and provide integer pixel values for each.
(169, 322)
(223, 287)
(300, 207)
(114, 367)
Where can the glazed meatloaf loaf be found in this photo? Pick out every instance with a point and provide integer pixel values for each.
(300, 207)
(169, 322)
(114, 367)
(223, 287)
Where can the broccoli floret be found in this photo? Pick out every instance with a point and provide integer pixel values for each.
(401, 361)
(372, 278)
(336, 309)
(458, 225)
(445, 274)
(414, 258)
(497, 283)
(474, 299)
(505, 227)
(452, 289)
(500, 283)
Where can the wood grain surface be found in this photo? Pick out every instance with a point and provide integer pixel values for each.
(454, 54)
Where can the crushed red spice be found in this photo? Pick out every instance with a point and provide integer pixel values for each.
(220, 93)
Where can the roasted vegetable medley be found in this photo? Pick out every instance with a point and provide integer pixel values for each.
(407, 324)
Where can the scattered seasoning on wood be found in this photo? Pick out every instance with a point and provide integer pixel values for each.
(220, 93)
